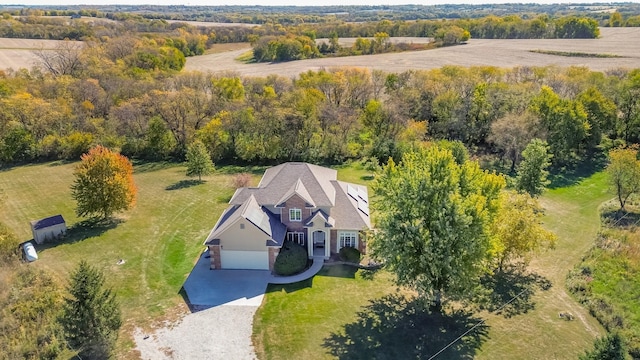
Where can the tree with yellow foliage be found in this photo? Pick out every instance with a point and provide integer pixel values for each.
(517, 230)
(103, 183)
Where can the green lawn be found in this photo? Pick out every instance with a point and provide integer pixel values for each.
(296, 319)
(159, 239)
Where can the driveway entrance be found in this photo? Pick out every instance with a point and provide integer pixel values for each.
(210, 288)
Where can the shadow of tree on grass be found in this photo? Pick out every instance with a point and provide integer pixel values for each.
(341, 271)
(512, 289)
(395, 327)
(183, 184)
(570, 176)
(150, 166)
(616, 217)
(82, 230)
(289, 288)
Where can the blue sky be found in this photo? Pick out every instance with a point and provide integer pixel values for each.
(276, 2)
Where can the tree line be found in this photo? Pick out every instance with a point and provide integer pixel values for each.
(489, 27)
(291, 15)
(327, 116)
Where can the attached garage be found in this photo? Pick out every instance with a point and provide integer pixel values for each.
(250, 260)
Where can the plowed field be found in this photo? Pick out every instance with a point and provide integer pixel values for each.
(623, 42)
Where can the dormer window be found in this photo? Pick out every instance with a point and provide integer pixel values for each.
(295, 214)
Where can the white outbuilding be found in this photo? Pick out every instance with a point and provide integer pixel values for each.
(48, 228)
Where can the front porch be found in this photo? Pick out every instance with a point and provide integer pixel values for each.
(318, 244)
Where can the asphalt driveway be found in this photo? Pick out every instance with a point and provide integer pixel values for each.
(210, 288)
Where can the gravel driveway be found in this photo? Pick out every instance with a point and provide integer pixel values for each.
(223, 330)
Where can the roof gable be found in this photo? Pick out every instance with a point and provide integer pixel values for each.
(255, 214)
(320, 215)
(297, 189)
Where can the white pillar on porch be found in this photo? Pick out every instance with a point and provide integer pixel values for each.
(310, 242)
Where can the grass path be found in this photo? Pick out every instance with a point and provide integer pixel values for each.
(572, 213)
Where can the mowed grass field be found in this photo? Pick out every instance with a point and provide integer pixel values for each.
(159, 239)
(623, 42)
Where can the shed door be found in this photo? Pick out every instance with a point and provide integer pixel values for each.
(250, 260)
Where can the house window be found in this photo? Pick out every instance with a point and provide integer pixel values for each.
(242, 226)
(348, 239)
(295, 214)
(296, 237)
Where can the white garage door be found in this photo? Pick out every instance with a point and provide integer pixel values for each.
(255, 260)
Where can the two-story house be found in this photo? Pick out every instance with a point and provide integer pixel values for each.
(299, 202)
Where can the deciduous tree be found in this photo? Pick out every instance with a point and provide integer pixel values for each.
(532, 172)
(511, 134)
(433, 221)
(624, 173)
(517, 229)
(103, 183)
(91, 314)
(66, 59)
(565, 122)
(198, 160)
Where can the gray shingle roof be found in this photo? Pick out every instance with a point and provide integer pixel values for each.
(297, 189)
(279, 180)
(257, 215)
(317, 185)
(346, 210)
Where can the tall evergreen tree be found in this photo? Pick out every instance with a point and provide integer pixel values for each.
(91, 315)
(198, 160)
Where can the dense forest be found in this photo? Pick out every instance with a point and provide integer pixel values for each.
(112, 97)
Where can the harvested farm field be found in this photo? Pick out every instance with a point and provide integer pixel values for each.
(18, 53)
(621, 42)
(212, 24)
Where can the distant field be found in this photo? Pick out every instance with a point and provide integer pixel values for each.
(623, 42)
(393, 40)
(18, 53)
(212, 24)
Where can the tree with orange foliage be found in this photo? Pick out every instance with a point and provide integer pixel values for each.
(104, 183)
